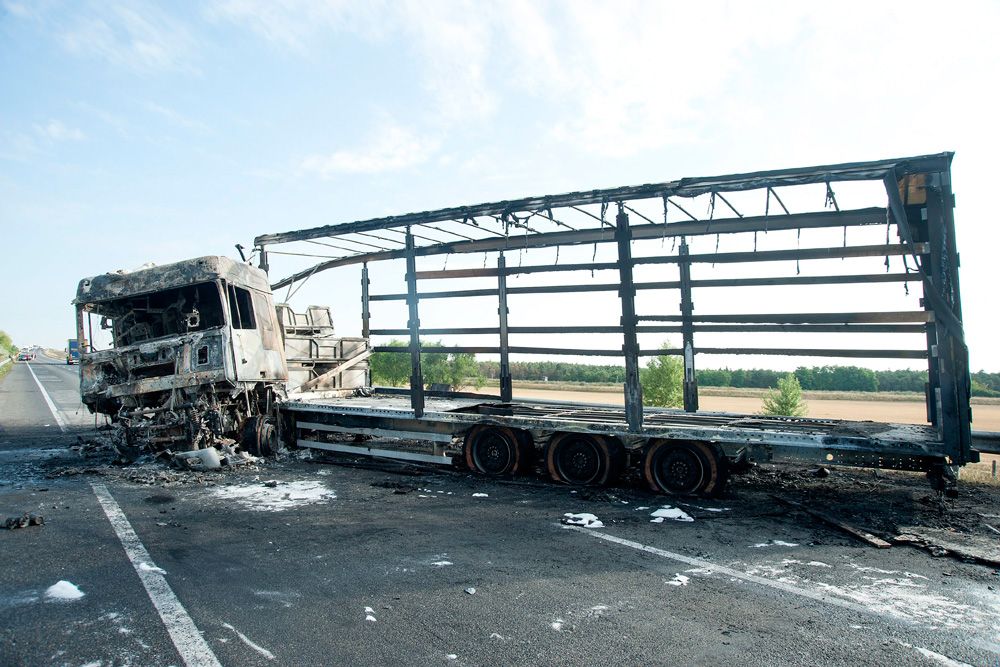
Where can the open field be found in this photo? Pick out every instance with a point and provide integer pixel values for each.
(900, 408)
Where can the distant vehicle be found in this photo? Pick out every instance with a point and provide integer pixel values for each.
(25, 355)
(72, 351)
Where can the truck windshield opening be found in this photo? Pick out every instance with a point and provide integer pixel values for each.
(168, 312)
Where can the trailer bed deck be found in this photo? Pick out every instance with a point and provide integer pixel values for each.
(446, 420)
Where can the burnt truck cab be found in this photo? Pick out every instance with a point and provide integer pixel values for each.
(196, 352)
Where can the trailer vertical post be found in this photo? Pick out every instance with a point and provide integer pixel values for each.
(687, 326)
(630, 346)
(506, 386)
(416, 376)
(952, 355)
(365, 311)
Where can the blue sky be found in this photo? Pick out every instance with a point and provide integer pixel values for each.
(133, 132)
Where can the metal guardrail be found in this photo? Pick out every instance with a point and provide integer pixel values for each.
(986, 442)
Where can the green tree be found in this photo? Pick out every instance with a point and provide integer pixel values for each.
(464, 372)
(455, 370)
(663, 380)
(6, 344)
(787, 400)
(390, 368)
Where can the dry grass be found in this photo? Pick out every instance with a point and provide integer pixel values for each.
(987, 471)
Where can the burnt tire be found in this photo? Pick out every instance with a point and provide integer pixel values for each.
(682, 467)
(260, 437)
(583, 459)
(494, 451)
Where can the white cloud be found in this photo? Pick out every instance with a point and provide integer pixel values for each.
(18, 9)
(134, 35)
(175, 118)
(296, 24)
(390, 148)
(450, 41)
(56, 130)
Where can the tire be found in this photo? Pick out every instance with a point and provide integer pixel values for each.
(260, 437)
(494, 451)
(583, 459)
(682, 467)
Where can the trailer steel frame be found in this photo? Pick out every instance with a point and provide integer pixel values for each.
(919, 207)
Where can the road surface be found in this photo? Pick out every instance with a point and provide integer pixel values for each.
(329, 564)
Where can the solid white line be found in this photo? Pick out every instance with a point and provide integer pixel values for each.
(698, 562)
(192, 647)
(779, 585)
(48, 400)
(936, 657)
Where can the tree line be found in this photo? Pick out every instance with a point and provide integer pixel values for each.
(810, 378)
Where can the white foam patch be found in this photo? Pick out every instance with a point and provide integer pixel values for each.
(284, 496)
(63, 590)
(896, 593)
(773, 543)
(246, 640)
(678, 580)
(149, 567)
(480, 495)
(868, 568)
(442, 563)
(672, 513)
(584, 519)
(557, 625)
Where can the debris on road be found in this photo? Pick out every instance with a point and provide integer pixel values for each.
(939, 543)
(470, 590)
(23, 521)
(63, 590)
(584, 519)
(200, 459)
(678, 580)
(862, 535)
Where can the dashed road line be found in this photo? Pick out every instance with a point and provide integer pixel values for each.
(188, 641)
(48, 400)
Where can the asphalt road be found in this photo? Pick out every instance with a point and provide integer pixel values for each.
(338, 564)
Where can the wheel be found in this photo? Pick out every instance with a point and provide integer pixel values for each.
(582, 459)
(493, 451)
(259, 437)
(685, 468)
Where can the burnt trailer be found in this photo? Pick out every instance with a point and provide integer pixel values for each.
(650, 228)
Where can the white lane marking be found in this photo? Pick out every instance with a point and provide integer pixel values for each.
(183, 632)
(936, 657)
(246, 640)
(48, 400)
(779, 585)
(698, 562)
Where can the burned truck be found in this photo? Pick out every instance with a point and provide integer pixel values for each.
(196, 355)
